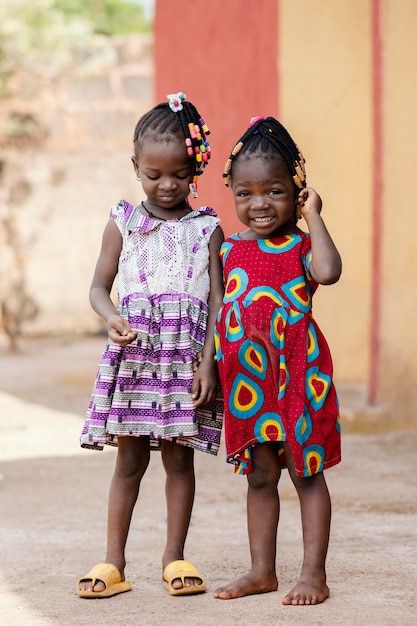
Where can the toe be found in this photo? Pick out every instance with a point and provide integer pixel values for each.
(177, 583)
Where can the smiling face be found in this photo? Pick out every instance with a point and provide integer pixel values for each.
(264, 195)
(165, 171)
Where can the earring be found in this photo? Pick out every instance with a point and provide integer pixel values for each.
(193, 190)
(137, 177)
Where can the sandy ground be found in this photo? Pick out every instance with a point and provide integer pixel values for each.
(53, 499)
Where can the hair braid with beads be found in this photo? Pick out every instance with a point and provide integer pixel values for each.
(165, 121)
(267, 136)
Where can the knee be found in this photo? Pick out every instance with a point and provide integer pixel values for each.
(266, 467)
(262, 479)
(308, 484)
(132, 459)
(177, 459)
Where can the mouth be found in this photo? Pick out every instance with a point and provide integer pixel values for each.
(262, 220)
(166, 198)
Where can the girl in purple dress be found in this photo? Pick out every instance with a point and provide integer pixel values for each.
(146, 394)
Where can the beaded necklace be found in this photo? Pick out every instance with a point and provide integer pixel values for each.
(155, 217)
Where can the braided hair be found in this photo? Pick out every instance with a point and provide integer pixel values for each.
(173, 119)
(268, 137)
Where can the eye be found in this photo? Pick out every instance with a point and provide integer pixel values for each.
(153, 176)
(242, 194)
(275, 192)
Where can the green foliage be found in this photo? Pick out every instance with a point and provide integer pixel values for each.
(107, 17)
(44, 36)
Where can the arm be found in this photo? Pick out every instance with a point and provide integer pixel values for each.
(118, 328)
(205, 375)
(326, 264)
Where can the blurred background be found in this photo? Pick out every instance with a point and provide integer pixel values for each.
(75, 76)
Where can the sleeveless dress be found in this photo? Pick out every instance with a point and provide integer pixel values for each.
(274, 363)
(163, 288)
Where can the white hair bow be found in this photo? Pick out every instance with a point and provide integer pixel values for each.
(176, 100)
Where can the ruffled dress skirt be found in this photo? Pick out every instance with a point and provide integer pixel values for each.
(144, 389)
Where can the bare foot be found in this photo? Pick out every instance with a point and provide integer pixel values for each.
(247, 585)
(306, 593)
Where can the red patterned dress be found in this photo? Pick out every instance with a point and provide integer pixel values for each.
(275, 365)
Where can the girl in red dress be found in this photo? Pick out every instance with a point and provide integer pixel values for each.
(281, 407)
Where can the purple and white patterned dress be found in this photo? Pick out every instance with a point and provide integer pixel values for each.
(163, 288)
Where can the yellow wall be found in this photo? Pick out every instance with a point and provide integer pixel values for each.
(399, 259)
(326, 86)
(326, 104)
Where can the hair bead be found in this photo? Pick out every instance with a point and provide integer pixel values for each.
(204, 126)
(178, 118)
(298, 182)
(237, 148)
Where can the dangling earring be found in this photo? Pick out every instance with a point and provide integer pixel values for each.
(193, 190)
(137, 177)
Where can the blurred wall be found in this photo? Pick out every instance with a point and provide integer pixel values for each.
(342, 78)
(56, 193)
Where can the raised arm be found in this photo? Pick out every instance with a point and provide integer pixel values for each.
(326, 264)
(118, 328)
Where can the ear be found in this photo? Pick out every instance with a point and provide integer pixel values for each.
(135, 163)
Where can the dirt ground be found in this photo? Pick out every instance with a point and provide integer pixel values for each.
(53, 499)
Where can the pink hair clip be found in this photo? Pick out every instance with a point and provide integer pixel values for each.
(255, 119)
(176, 100)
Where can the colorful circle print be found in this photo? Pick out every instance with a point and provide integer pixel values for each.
(314, 457)
(253, 357)
(312, 344)
(269, 427)
(246, 397)
(236, 284)
(283, 245)
(234, 328)
(263, 291)
(303, 427)
(224, 250)
(298, 293)
(317, 387)
(278, 323)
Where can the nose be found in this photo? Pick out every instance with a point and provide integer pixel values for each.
(167, 183)
(259, 202)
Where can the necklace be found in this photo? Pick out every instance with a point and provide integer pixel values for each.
(155, 217)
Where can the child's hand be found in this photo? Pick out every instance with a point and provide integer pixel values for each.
(204, 387)
(308, 202)
(119, 330)
(197, 361)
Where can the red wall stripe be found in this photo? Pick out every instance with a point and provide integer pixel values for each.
(223, 55)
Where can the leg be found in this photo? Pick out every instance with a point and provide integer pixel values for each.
(179, 491)
(315, 516)
(263, 515)
(131, 464)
